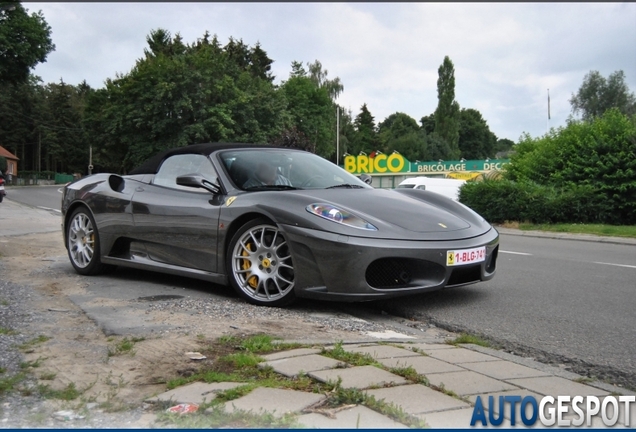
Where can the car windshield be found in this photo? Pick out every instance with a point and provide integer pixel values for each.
(282, 169)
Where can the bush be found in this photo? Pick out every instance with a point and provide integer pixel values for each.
(506, 200)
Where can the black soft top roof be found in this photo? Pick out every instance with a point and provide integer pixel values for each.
(151, 166)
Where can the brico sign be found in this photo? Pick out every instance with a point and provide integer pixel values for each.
(396, 163)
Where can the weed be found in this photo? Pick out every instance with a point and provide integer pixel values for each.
(466, 338)
(7, 384)
(70, 392)
(33, 342)
(410, 374)
(2, 370)
(32, 364)
(217, 417)
(241, 360)
(352, 358)
(6, 331)
(48, 376)
(585, 380)
(4, 302)
(124, 346)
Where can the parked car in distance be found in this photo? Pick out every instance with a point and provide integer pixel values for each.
(447, 187)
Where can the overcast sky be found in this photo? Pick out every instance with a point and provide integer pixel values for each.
(506, 56)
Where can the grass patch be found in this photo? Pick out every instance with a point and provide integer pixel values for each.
(48, 376)
(466, 338)
(6, 331)
(8, 383)
(4, 302)
(595, 229)
(124, 346)
(585, 380)
(33, 342)
(70, 392)
(217, 417)
(32, 364)
(260, 343)
(353, 358)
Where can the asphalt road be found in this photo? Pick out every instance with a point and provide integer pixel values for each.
(561, 301)
(47, 197)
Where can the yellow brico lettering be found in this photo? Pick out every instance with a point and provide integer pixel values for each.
(391, 166)
(376, 164)
(350, 163)
(363, 161)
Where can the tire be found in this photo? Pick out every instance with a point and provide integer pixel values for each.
(82, 241)
(259, 264)
(1, 197)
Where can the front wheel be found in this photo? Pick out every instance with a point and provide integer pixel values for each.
(260, 266)
(83, 243)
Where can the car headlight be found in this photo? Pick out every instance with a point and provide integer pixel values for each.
(334, 214)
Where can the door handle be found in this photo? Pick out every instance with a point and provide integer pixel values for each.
(139, 189)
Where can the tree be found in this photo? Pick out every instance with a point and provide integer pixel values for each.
(447, 112)
(334, 87)
(25, 41)
(597, 94)
(366, 138)
(401, 133)
(476, 141)
(504, 145)
(428, 124)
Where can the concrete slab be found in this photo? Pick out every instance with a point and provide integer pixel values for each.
(275, 401)
(359, 417)
(417, 398)
(455, 419)
(381, 351)
(360, 377)
(468, 382)
(460, 355)
(293, 366)
(291, 353)
(197, 392)
(504, 369)
(426, 347)
(556, 386)
(422, 364)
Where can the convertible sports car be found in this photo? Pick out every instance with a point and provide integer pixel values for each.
(276, 223)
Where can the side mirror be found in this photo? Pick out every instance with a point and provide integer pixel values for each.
(198, 181)
(366, 178)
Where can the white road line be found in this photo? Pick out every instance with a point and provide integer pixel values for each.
(515, 253)
(617, 265)
(49, 209)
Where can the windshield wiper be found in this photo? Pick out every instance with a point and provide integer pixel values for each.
(271, 187)
(345, 185)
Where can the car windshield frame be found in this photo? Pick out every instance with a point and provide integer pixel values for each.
(250, 168)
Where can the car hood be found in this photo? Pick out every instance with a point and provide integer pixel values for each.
(398, 214)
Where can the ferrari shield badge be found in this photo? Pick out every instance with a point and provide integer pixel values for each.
(229, 201)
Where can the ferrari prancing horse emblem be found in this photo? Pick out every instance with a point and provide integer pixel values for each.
(229, 201)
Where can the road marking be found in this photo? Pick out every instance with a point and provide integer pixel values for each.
(49, 209)
(516, 253)
(617, 265)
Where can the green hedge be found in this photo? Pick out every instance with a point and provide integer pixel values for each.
(505, 200)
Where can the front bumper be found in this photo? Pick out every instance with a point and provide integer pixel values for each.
(330, 266)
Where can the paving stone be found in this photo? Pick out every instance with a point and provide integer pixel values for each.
(291, 353)
(504, 369)
(455, 419)
(460, 355)
(359, 417)
(295, 365)
(417, 398)
(426, 347)
(468, 382)
(556, 386)
(422, 364)
(275, 401)
(359, 377)
(382, 351)
(197, 392)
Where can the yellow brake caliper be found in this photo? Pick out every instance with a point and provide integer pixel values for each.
(251, 280)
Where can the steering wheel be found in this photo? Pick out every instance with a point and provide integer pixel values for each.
(310, 179)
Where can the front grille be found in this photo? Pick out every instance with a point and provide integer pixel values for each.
(465, 275)
(387, 273)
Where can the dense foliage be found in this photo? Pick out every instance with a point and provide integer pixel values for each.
(598, 94)
(585, 172)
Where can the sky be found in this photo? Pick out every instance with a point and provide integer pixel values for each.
(506, 55)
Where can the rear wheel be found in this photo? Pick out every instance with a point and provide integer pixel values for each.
(260, 266)
(83, 243)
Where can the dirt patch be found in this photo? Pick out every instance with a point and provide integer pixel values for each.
(80, 356)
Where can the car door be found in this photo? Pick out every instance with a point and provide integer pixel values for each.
(177, 224)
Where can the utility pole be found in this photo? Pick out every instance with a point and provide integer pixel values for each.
(337, 135)
(548, 131)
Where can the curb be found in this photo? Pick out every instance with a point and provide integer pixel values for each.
(568, 236)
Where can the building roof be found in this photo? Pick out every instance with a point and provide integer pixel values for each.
(7, 154)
